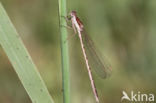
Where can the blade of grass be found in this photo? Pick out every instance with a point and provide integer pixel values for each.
(21, 61)
(64, 52)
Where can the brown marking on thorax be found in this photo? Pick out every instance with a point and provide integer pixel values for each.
(79, 22)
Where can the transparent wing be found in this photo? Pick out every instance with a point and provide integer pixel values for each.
(95, 59)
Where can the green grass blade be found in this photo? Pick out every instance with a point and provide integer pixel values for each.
(21, 61)
(64, 52)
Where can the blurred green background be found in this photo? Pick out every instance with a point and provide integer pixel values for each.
(123, 30)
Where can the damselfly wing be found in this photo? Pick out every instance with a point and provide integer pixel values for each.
(96, 60)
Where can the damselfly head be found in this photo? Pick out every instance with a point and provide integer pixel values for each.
(73, 13)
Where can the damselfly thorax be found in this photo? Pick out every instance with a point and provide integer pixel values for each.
(76, 22)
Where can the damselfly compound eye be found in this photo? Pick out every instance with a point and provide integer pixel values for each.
(73, 13)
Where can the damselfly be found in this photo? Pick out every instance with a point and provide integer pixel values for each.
(92, 58)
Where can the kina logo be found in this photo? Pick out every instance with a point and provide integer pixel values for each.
(137, 97)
